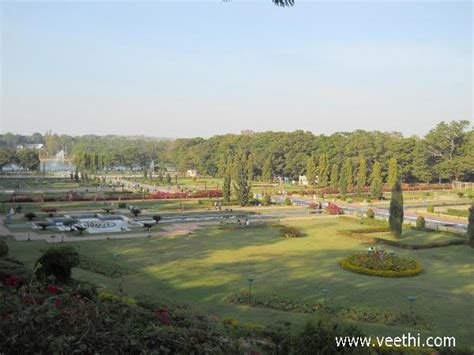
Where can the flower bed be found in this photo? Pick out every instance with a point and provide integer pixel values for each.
(386, 266)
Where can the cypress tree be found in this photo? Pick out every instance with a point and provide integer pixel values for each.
(334, 176)
(311, 169)
(343, 182)
(470, 227)
(242, 180)
(267, 174)
(323, 170)
(376, 184)
(396, 210)
(361, 174)
(348, 174)
(392, 173)
(226, 187)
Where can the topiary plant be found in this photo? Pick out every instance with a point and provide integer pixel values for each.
(420, 222)
(3, 248)
(370, 213)
(58, 262)
(287, 201)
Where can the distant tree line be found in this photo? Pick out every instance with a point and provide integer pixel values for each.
(343, 160)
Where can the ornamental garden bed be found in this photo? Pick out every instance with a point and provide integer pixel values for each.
(378, 263)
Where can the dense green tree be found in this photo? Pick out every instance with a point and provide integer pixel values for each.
(376, 183)
(396, 210)
(323, 170)
(334, 181)
(227, 187)
(267, 174)
(443, 145)
(361, 174)
(242, 180)
(312, 169)
(7, 156)
(28, 159)
(347, 171)
(392, 173)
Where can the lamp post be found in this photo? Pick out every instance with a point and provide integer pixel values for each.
(249, 281)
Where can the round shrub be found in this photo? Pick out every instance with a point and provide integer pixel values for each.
(266, 200)
(389, 266)
(58, 262)
(291, 232)
(420, 222)
(287, 201)
(370, 213)
(3, 248)
(12, 267)
(430, 209)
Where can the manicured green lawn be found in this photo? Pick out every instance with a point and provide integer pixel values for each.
(204, 268)
(417, 237)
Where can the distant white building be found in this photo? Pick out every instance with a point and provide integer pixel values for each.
(302, 180)
(192, 173)
(29, 146)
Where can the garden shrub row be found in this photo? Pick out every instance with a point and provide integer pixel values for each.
(457, 213)
(113, 270)
(394, 266)
(368, 315)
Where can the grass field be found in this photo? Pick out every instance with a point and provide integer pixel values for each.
(204, 268)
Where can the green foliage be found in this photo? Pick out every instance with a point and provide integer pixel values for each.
(267, 170)
(334, 180)
(395, 220)
(267, 200)
(370, 213)
(361, 174)
(288, 201)
(113, 270)
(312, 169)
(392, 173)
(458, 213)
(58, 262)
(420, 222)
(227, 187)
(168, 178)
(242, 180)
(470, 227)
(28, 159)
(345, 180)
(430, 209)
(12, 267)
(376, 184)
(3, 248)
(122, 205)
(388, 266)
(291, 232)
(323, 170)
(318, 338)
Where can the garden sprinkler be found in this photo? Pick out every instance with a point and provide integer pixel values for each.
(412, 300)
(325, 291)
(250, 286)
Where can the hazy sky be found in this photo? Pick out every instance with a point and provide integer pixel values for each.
(199, 68)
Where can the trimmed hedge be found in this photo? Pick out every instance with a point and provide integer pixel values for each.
(346, 264)
(3, 248)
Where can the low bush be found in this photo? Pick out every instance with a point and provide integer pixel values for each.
(290, 232)
(10, 267)
(3, 248)
(122, 205)
(388, 266)
(430, 209)
(370, 213)
(266, 200)
(334, 209)
(58, 262)
(420, 222)
(288, 201)
(457, 213)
